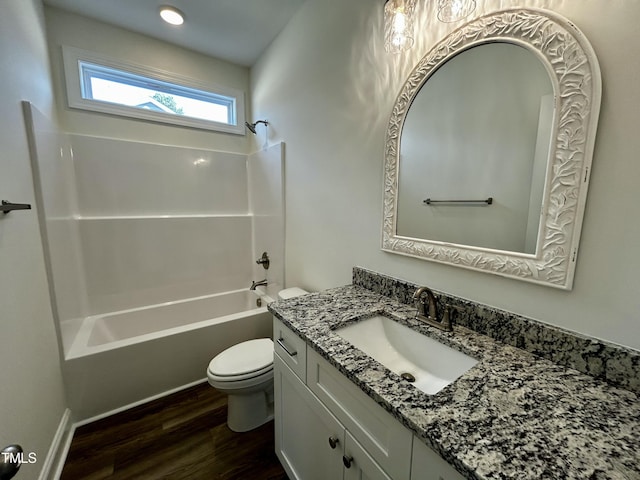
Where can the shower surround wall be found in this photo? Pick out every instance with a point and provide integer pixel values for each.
(266, 204)
(160, 223)
(54, 182)
(130, 225)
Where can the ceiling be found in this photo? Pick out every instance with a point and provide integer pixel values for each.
(234, 30)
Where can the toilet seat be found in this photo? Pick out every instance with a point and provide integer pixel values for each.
(244, 379)
(246, 360)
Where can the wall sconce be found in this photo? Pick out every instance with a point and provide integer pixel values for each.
(398, 25)
(454, 10)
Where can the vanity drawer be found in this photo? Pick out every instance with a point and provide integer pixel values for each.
(387, 440)
(291, 348)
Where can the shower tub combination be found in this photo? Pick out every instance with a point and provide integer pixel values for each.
(212, 210)
(119, 359)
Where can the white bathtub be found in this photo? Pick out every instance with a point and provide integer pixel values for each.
(121, 358)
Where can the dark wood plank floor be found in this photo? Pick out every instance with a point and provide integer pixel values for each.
(181, 436)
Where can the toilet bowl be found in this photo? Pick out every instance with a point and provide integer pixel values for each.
(245, 373)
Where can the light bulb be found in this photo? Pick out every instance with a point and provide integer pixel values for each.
(398, 25)
(172, 15)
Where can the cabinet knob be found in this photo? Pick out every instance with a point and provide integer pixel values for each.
(333, 442)
(347, 461)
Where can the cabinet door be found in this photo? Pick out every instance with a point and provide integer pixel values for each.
(428, 465)
(303, 427)
(385, 439)
(358, 464)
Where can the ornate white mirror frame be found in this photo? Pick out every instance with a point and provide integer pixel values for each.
(575, 74)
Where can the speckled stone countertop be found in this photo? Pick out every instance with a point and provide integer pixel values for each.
(512, 416)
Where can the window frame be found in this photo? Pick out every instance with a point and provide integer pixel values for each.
(73, 59)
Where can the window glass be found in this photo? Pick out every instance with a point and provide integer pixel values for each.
(141, 92)
(109, 85)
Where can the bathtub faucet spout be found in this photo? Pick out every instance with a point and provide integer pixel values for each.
(258, 284)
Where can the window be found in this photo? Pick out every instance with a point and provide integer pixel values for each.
(104, 85)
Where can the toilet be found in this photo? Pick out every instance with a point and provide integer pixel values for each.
(245, 373)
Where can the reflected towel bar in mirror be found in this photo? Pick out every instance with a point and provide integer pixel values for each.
(8, 206)
(488, 201)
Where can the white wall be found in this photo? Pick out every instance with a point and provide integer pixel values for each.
(159, 223)
(265, 169)
(64, 28)
(31, 389)
(327, 87)
(124, 178)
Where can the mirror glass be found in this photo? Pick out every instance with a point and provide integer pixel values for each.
(479, 128)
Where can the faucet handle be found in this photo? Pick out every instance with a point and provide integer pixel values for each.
(264, 260)
(447, 317)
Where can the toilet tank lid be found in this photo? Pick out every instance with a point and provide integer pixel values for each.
(290, 293)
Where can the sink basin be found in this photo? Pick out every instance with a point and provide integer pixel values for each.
(405, 351)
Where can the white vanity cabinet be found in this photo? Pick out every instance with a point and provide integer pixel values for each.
(310, 442)
(358, 463)
(291, 348)
(326, 428)
(386, 440)
(428, 465)
(303, 427)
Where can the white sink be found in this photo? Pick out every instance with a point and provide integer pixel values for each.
(403, 351)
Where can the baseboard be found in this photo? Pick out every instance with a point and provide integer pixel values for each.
(60, 444)
(80, 423)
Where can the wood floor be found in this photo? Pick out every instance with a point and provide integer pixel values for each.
(182, 436)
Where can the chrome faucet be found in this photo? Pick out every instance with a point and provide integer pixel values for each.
(259, 283)
(427, 310)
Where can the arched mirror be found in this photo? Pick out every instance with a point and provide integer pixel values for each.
(489, 147)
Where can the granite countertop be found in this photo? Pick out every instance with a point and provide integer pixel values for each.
(512, 416)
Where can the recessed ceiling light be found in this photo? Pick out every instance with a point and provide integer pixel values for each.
(172, 15)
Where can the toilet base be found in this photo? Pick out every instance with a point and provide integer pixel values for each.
(248, 411)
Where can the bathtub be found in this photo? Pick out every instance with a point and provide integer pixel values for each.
(122, 358)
